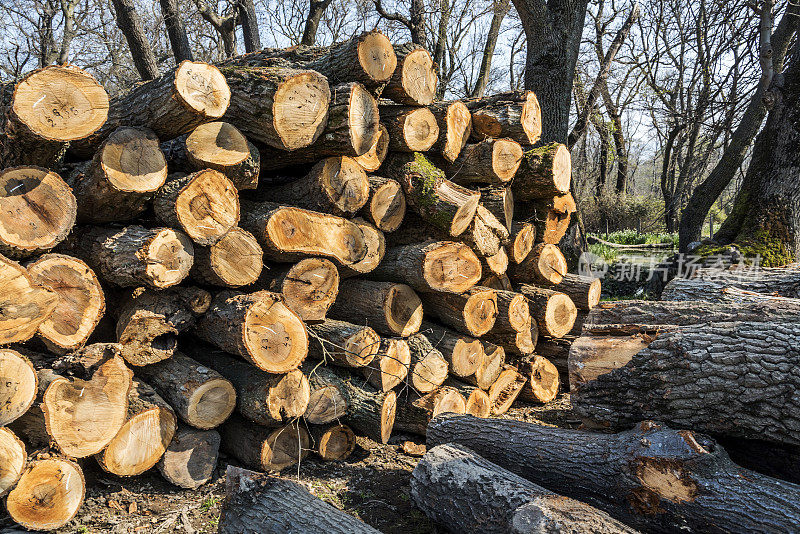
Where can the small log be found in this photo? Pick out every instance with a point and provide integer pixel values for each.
(463, 354)
(414, 79)
(12, 460)
(487, 235)
(466, 493)
(393, 363)
(144, 437)
(544, 265)
(391, 309)
(48, 495)
(584, 291)
(542, 381)
(496, 264)
(18, 386)
(309, 287)
(552, 217)
(413, 415)
(478, 402)
(191, 457)
(505, 390)
(522, 342)
(372, 159)
(513, 314)
(204, 204)
(283, 107)
(487, 373)
(291, 234)
(515, 114)
(173, 104)
(386, 208)
(455, 126)
(500, 202)
(134, 256)
(26, 305)
(545, 172)
(334, 442)
(436, 199)
(428, 367)
(556, 351)
(46, 110)
(148, 322)
(494, 161)
(499, 282)
(411, 129)
(235, 260)
(328, 398)
(473, 312)
(267, 399)
(81, 302)
(522, 239)
(343, 343)
(554, 312)
(262, 448)
(37, 211)
(375, 243)
(443, 266)
(200, 396)
(257, 502)
(257, 326)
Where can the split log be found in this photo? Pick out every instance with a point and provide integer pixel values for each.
(144, 437)
(386, 208)
(651, 478)
(200, 396)
(522, 238)
(515, 114)
(134, 256)
(48, 495)
(443, 266)
(257, 326)
(413, 415)
(257, 502)
(487, 235)
(25, 304)
(411, 129)
(494, 161)
(283, 107)
(584, 291)
(497, 264)
(204, 204)
(473, 312)
(334, 442)
(263, 448)
(343, 343)
(149, 322)
(521, 342)
(554, 312)
(18, 385)
(12, 460)
(391, 309)
(544, 265)
(219, 146)
(46, 110)
(124, 174)
(499, 201)
(428, 367)
(351, 130)
(414, 79)
(372, 159)
(375, 243)
(505, 390)
(235, 260)
(541, 379)
(393, 363)
(545, 171)
(81, 302)
(487, 373)
(455, 126)
(328, 397)
(291, 234)
(173, 104)
(267, 399)
(309, 287)
(552, 216)
(478, 402)
(37, 211)
(191, 457)
(466, 493)
(463, 354)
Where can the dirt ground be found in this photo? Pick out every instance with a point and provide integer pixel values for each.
(373, 484)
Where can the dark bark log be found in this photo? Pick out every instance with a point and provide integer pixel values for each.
(583, 290)
(473, 312)
(515, 115)
(191, 457)
(342, 343)
(711, 284)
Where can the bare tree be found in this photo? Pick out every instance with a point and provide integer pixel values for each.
(130, 24)
(316, 10)
(500, 9)
(224, 25)
(176, 31)
(249, 22)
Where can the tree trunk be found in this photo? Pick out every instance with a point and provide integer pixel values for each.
(411, 129)
(391, 309)
(372, 159)
(262, 448)
(249, 23)
(545, 172)
(473, 312)
(386, 208)
(176, 31)
(393, 363)
(414, 79)
(236, 260)
(129, 22)
(315, 12)
(19, 386)
(493, 161)
(309, 287)
(455, 126)
(191, 457)
(515, 115)
(463, 354)
(12, 460)
(500, 9)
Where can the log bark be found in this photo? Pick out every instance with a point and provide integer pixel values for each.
(118, 183)
(522, 239)
(134, 256)
(414, 414)
(552, 217)
(584, 291)
(13, 459)
(259, 327)
(342, 343)
(541, 379)
(487, 373)
(494, 161)
(513, 314)
(505, 390)
(386, 207)
(463, 354)
(652, 478)
(235, 260)
(455, 126)
(309, 287)
(46, 110)
(372, 159)
(414, 79)
(18, 385)
(428, 367)
(466, 493)
(262, 448)
(554, 312)
(517, 342)
(393, 363)
(515, 115)
(191, 457)
(411, 129)
(500, 282)
(375, 243)
(771, 459)
(499, 201)
(37, 211)
(334, 442)
(204, 204)
(473, 312)
(545, 171)
(544, 265)
(497, 264)
(260, 503)
(708, 284)
(391, 309)
(25, 304)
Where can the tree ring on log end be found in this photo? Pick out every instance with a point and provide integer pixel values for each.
(237, 258)
(202, 89)
(211, 404)
(345, 183)
(326, 404)
(388, 412)
(275, 336)
(523, 243)
(300, 109)
(452, 267)
(12, 451)
(459, 127)
(480, 312)
(336, 443)
(560, 315)
(208, 206)
(140, 443)
(419, 77)
(506, 158)
(403, 310)
(217, 144)
(420, 130)
(377, 57)
(284, 447)
(18, 385)
(373, 158)
(531, 118)
(132, 160)
(363, 119)
(478, 404)
(562, 169)
(290, 397)
(48, 495)
(388, 206)
(169, 257)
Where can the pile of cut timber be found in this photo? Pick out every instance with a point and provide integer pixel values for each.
(174, 262)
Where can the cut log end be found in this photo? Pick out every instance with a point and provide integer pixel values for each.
(18, 385)
(394, 360)
(478, 403)
(559, 317)
(418, 77)
(334, 443)
(452, 267)
(480, 311)
(299, 126)
(211, 403)
(403, 310)
(169, 256)
(375, 243)
(275, 337)
(235, 260)
(458, 122)
(545, 264)
(202, 89)
(25, 304)
(531, 118)
(344, 182)
(48, 495)
(489, 370)
(387, 206)
(191, 457)
(284, 447)
(12, 460)
(377, 57)
(465, 213)
(542, 380)
(363, 119)
(523, 237)
(505, 390)
(419, 130)
(217, 145)
(310, 287)
(388, 413)
(132, 161)
(372, 159)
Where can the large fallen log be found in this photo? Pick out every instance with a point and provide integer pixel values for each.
(309, 287)
(191, 457)
(26, 304)
(651, 478)
(708, 284)
(515, 114)
(466, 493)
